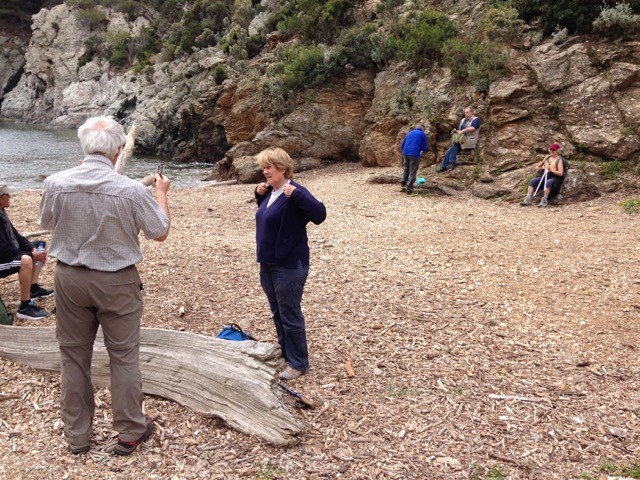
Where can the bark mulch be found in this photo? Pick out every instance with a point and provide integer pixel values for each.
(450, 338)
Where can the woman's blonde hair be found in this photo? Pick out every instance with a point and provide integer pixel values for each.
(277, 157)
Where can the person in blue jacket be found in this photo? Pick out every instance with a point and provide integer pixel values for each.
(284, 209)
(413, 146)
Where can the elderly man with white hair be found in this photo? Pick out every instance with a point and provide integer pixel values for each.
(95, 215)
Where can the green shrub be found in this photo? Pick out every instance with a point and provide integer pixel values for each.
(305, 65)
(363, 48)
(201, 15)
(319, 21)
(422, 38)
(616, 19)
(92, 18)
(119, 48)
(220, 74)
(84, 4)
(401, 101)
(93, 47)
(477, 62)
(501, 22)
(131, 8)
(255, 44)
(560, 35)
(390, 10)
(631, 206)
(611, 170)
(576, 16)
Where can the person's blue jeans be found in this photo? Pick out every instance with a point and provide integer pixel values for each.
(451, 156)
(411, 164)
(284, 287)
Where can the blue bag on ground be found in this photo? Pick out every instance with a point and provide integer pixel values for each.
(234, 332)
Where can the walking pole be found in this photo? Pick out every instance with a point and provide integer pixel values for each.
(543, 181)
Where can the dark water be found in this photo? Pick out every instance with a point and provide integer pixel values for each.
(29, 153)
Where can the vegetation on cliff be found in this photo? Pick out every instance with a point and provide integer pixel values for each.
(333, 36)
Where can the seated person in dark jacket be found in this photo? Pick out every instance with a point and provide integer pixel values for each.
(19, 255)
(284, 209)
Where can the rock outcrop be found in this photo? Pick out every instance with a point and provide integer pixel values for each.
(12, 50)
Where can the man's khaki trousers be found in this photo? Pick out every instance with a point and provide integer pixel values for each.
(86, 299)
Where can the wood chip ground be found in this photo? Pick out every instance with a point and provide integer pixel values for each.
(450, 338)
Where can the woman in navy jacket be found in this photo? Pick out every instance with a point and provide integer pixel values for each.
(284, 209)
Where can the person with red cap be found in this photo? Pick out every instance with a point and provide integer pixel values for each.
(554, 164)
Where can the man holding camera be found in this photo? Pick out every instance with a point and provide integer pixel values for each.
(95, 215)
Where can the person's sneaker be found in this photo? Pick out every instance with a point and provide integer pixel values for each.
(526, 201)
(127, 448)
(453, 166)
(441, 169)
(41, 292)
(290, 374)
(31, 312)
(543, 202)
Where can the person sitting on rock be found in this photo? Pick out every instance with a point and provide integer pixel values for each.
(19, 255)
(465, 137)
(555, 166)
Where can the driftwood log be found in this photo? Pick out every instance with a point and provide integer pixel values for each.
(234, 381)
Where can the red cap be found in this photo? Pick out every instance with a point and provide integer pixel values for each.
(554, 146)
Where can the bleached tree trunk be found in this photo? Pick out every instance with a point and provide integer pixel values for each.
(234, 381)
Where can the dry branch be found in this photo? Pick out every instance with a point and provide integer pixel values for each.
(229, 380)
(127, 151)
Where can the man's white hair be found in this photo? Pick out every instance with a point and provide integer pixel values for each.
(101, 135)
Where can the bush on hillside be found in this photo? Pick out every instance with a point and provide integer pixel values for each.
(307, 65)
(422, 38)
(119, 48)
(501, 23)
(318, 21)
(477, 62)
(363, 48)
(92, 18)
(202, 14)
(618, 19)
(576, 16)
(93, 47)
(390, 10)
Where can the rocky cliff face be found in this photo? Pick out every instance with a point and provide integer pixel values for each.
(12, 50)
(582, 94)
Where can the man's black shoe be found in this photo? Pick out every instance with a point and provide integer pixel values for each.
(440, 170)
(40, 292)
(453, 166)
(31, 312)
